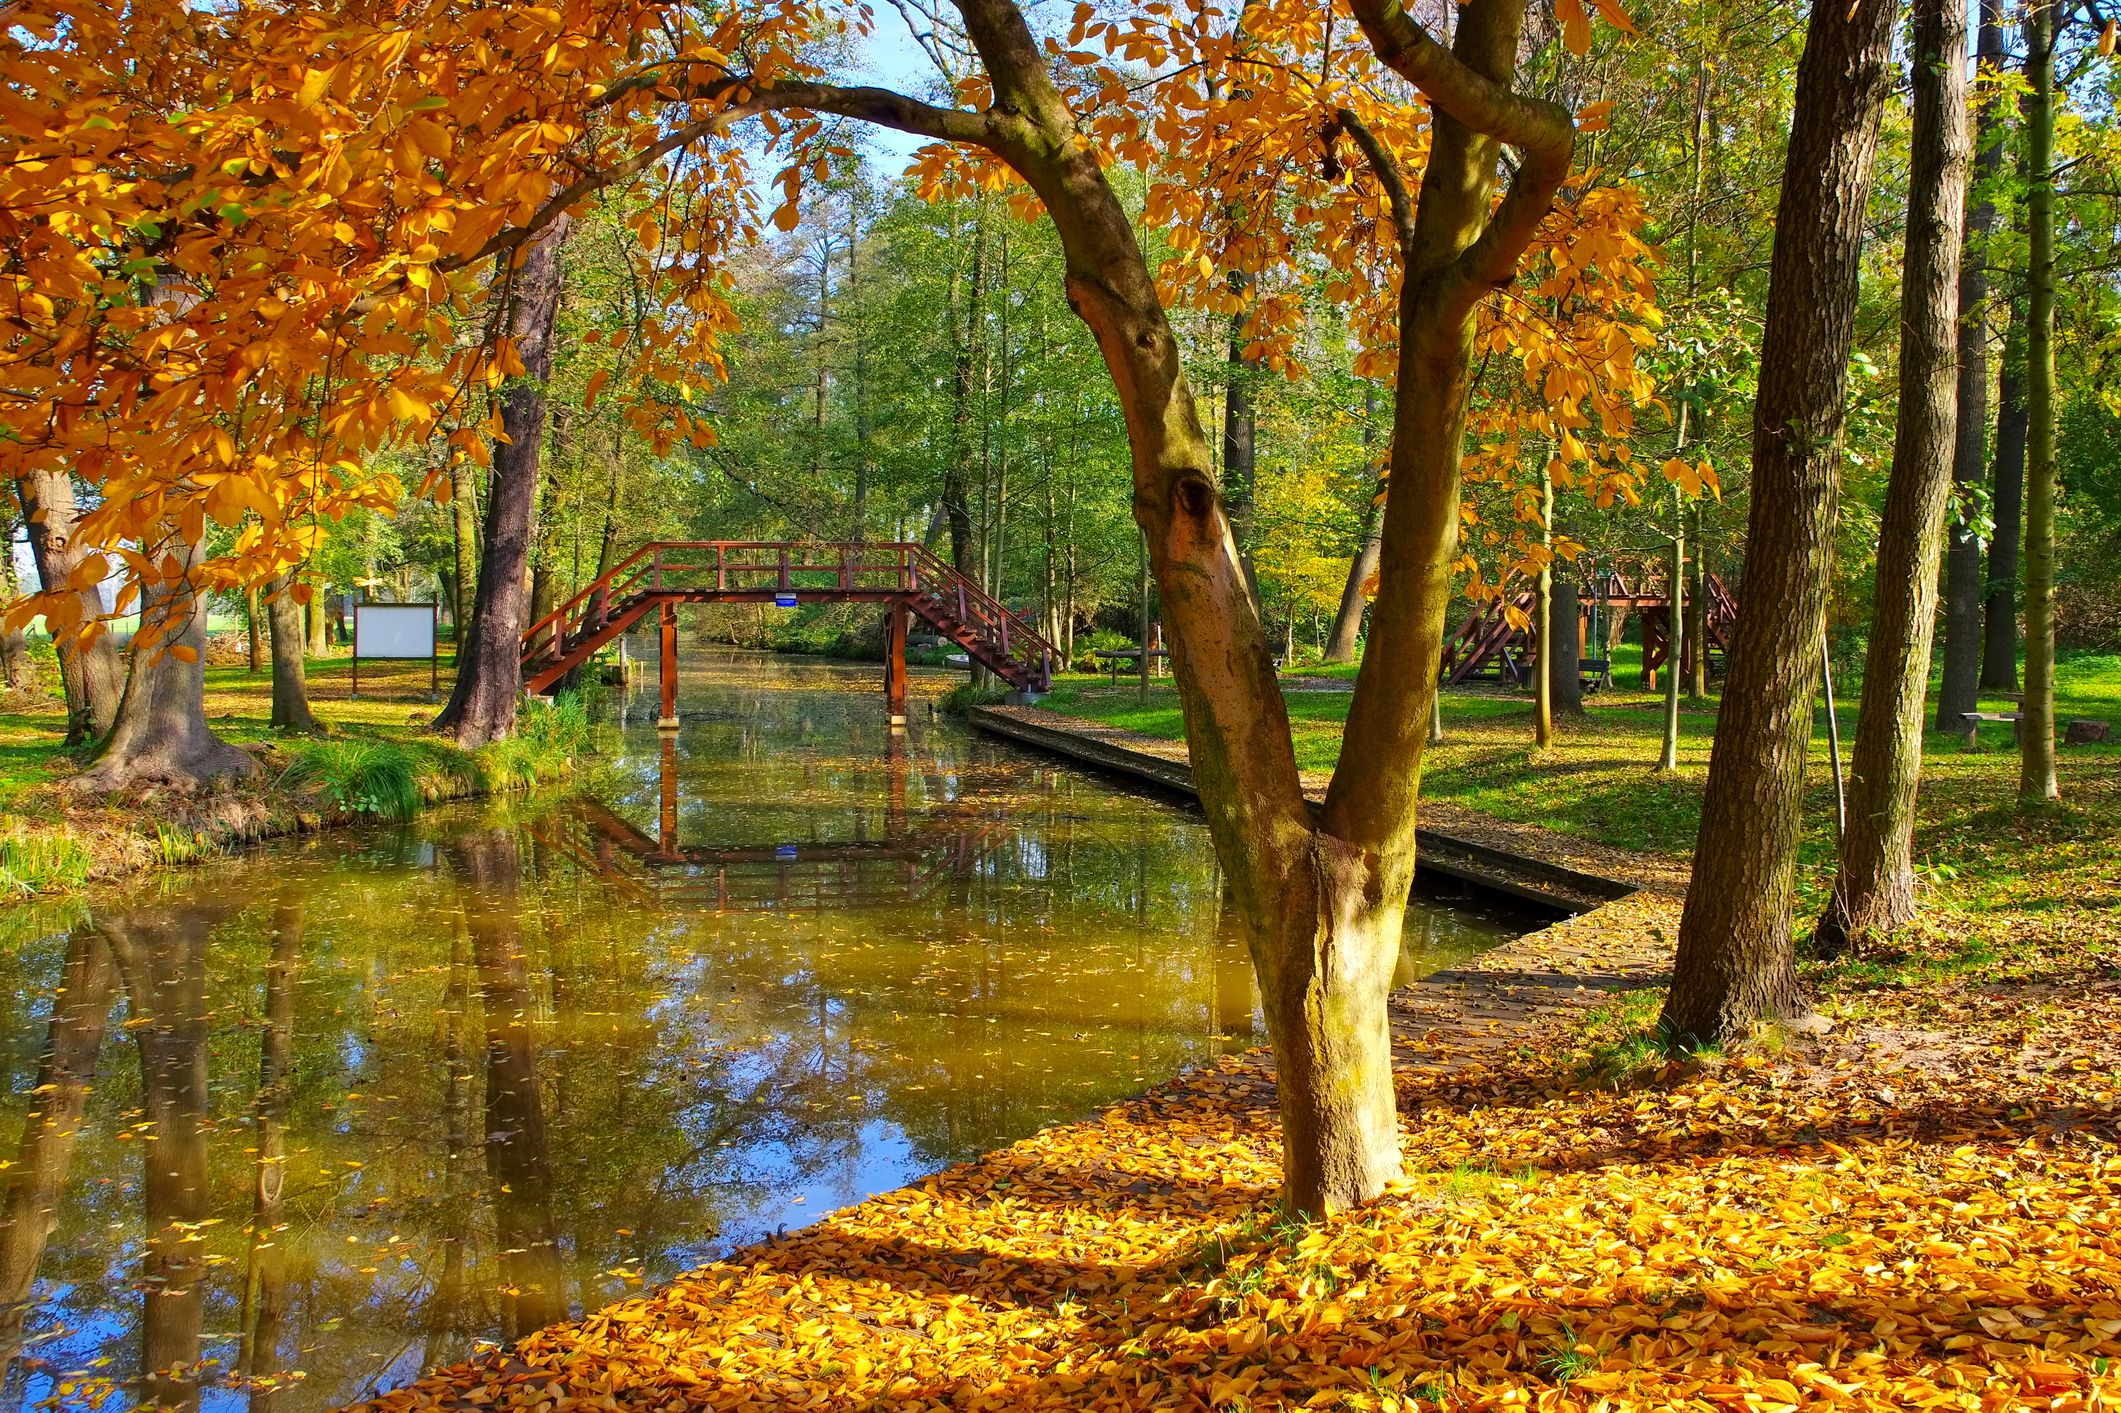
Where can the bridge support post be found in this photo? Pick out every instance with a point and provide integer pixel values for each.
(667, 815)
(895, 665)
(668, 721)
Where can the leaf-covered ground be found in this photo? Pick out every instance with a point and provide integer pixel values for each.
(1916, 1210)
(1764, 1233)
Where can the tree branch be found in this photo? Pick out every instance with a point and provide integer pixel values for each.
(1387, 172)
(1533, 126)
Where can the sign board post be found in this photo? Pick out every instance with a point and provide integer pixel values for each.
(398, 632)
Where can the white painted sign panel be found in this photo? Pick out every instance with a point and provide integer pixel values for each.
(394, 630)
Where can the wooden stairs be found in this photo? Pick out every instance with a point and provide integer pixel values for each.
(1489, 642)
(905, 577)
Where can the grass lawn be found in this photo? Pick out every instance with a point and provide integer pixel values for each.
(377, 758)
(2003, 879)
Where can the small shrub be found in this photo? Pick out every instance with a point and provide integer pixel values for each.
(967, 695)
(548, 737)
(1104, 640)
(37, 861)
(381, 778)
(180, 846)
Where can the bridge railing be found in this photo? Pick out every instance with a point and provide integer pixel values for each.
(759, 567)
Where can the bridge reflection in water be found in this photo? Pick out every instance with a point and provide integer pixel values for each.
(944, 842)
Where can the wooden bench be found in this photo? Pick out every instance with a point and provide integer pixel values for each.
(1970, 723)
(1113, 657)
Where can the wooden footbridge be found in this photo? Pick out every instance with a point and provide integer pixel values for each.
(905, 578)
(1498, 640)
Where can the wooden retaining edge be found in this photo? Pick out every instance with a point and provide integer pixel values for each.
(1548, 885)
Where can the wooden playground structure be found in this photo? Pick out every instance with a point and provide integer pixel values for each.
(1498, 641)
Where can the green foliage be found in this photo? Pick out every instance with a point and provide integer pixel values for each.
(380, 778)
(36, 861)
(176, 845)
(967, 695)
(549, 737)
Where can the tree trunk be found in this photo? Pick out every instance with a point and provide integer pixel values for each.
(91, 676)
(253, 631)
(2036, 762)
(1323, 903)
(1999, 643)
(482, 705)
(463, 514)
(1347, 622)
(160, 736)
(1736, 961)
(957, 474)
(15, 671)
(290, 685)
(1240, 438)
(1675, 638)
(1565, 664)
(1543, 618)
(1874, 889)
(161, 954)
(852, 318)
(1963, 588)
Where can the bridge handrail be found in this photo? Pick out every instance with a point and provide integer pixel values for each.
(914, 570)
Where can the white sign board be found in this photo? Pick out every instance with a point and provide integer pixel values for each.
(394, 630)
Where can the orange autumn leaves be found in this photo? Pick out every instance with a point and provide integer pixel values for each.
(253, 250)
(1769, 1235)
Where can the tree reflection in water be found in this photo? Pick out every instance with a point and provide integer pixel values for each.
(403, 1092)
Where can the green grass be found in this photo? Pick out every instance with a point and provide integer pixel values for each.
(378, 758)
(36, 861)
(1975, 848)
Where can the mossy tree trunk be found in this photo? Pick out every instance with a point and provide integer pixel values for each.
(1736, 962)
(1874, 886)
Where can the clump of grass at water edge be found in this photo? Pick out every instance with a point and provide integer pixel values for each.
(547, 740)
(34, 861)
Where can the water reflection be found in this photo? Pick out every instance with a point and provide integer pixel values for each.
(299, 1126)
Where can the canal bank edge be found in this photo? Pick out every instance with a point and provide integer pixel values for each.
(1552, 871)
(110, 840)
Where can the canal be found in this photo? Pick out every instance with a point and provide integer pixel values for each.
(286, 1129)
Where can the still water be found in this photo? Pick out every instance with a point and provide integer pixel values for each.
(283, 1130)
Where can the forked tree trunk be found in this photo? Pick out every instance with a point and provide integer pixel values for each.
(290, 681)
(2036, 762)
(1324, 904)
(482, 704)
(1736, 962)
(91, 675)
(161, 736)
(1874, 889)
